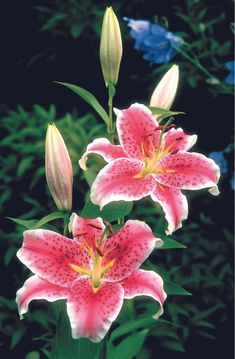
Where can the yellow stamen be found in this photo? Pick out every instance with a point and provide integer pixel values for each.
(80, 269)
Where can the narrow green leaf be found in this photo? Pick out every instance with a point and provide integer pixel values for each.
(131, 326)
(23, 166)
(17, 335)
(175, 289)
(164, 113)
(170, 344)
(35, 223)
(29, 224)
(128, 347)
(69, 347)
(50, 217)
(33, 355)
(89, 98)
(9, 255)
(169, 243)
(110, 212)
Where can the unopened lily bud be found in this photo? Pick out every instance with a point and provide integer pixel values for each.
(59, 172)
(110, 47)
(164, 94)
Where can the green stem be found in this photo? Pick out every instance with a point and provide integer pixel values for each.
(196, 62)
(111, 128)
(66, 217)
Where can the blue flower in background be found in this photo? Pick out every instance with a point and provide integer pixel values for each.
(221, 161)
(232, 181)
(229, 80)
(158, 44)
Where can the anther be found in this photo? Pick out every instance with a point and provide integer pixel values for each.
(164, 127)
(109, 227)
(99, 251)
(94, 226)
(179, 139)
(149, 135)
(80, 234)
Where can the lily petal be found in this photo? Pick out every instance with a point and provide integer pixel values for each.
(137, 131)
(91, 312)
(38, 288)
(147, 283)
(177, 140)
(50, 255)
(116, 182)
(128, 248)
(102, 147)
(86, 229)
(187, 171)
(173, 203)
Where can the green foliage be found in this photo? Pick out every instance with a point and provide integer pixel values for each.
(66, 347)
(110, 212)
(61, 18)
(163, 113)
(203, 55)
(128, 347)
(183, 317)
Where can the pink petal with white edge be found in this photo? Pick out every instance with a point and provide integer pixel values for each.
(129, 248)
(116, 182)
(146, 283)
(102, 147)
(86, 229)
(49, 255)
(187, 171)
(38, 288)
(177, 140)
(137, 131)
(173, 203)
(92, 313)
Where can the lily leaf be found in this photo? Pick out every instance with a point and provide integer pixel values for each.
(129, 347)
(169, 243)
(89, 98)
(69, 347)
(175, 289)
(110, 212)
(163, 113)
(35, 223)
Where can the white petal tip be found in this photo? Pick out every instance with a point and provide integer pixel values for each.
(82, 163)
(159, 243)
(117, 112)
(70, 224)
(214, 191)
(158, 314)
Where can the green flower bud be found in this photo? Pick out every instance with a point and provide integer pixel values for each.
(110, 47)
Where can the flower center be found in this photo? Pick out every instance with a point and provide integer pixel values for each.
(151, 159)
(98, 266)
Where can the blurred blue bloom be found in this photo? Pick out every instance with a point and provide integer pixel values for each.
(221, 161)
(229, 80)
(232, 181)
(158, 44)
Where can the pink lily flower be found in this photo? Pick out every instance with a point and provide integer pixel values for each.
(149, 162)
(93, 271)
